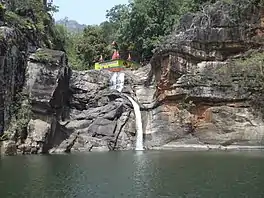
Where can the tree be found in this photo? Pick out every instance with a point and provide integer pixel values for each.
(137, 27)
(109, 31)
(141, 25)
(92, 45)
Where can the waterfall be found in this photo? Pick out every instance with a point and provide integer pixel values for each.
(113, 81)
(117, 82)
(139, 128)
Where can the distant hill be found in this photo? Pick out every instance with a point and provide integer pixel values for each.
(71, 25)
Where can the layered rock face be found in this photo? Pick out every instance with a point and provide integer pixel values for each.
(12, 74)
(204, 86)
(45, 95)
(12, 70)
(99, 118)
(196, 77)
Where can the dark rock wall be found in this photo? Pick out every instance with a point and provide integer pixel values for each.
(12, 71)
(47, 85)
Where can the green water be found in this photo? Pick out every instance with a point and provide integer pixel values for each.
(134, 174)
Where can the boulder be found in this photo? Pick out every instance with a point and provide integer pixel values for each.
(9, 148)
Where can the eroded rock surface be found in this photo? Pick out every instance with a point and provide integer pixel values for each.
(98, 116)
(199, 78)
(198, 89)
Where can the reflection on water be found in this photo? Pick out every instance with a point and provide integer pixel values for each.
(134, 174)
(140, 177)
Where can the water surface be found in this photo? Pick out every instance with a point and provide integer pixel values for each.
(134, 174)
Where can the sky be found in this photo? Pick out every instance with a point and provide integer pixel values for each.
(87, 12)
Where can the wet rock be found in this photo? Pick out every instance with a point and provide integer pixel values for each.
(9, 148)
(47, 83)
(12, 71)
(38, 131)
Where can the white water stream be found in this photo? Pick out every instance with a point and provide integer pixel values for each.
(139, 128)
(117, 83)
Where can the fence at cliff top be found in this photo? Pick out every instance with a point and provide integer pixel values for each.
(117, 83)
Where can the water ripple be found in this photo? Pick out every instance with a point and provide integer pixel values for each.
(134, 174)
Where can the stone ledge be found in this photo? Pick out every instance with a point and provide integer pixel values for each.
(206, 147)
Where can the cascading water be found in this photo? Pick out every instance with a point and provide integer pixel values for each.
(139, 128)
(117, 83)
(113, 81)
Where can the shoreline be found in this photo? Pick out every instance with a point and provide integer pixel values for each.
(207, 147)
(168, 147)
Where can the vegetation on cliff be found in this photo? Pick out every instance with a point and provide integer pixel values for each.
(33, 20)
(27, 24)
(141, 26)
(137, 27)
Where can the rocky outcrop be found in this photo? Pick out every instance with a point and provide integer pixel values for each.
(35, 126)
(47, 88)
(23, 29)
(98, 118)
(204, 86)
(12, 71)
(203, 82)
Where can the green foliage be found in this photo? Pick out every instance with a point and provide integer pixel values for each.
(141, 25)
(32, 9)
(252, 78)
(43, 56)
(83, 48)
(4, 137)
(32, 18)
(52, 8)
(61, 38)
(2, 11)
(92, 45)
(137, 27)
(17, 21)
(66, 41)
(254, 59)
(21, 115)
(254, 64)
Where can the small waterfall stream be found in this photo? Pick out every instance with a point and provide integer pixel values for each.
(139, 128)
(117, 83)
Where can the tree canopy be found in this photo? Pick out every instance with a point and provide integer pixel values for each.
(137, 27)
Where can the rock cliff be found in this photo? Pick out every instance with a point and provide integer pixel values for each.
(204, 85)
(213, 64)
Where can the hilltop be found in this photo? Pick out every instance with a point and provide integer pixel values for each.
(71, 25)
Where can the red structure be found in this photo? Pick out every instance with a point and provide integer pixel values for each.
(115, 55)
(116, 52)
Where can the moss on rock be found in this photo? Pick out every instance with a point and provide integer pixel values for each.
(48, 56)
